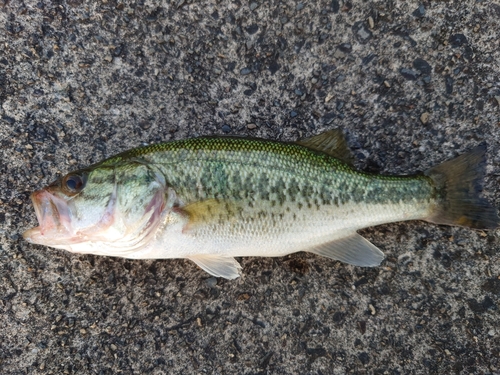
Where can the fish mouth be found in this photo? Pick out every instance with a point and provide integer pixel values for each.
(53, 217)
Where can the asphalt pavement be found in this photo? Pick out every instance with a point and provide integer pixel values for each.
(411, 83)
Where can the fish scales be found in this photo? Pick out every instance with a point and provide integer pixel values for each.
(211, 199)
(280, 188)
(230, 167)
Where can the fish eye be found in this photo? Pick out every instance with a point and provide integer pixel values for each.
(74, 183)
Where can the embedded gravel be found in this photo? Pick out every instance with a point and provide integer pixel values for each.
(411, 83)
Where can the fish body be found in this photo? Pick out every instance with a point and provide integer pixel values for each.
(212, 199)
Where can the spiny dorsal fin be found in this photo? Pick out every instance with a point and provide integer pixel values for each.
(331, 142)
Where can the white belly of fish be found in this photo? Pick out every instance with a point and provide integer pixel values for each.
(328, 232)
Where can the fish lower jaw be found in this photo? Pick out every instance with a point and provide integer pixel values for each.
(55, 239)
(31, 234)
(38, 236)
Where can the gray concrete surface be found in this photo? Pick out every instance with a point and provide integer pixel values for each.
(411, 83)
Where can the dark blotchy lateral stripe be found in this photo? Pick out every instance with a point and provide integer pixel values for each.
(274, 172)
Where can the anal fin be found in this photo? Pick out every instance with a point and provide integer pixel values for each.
(353, 249)
(217, 265)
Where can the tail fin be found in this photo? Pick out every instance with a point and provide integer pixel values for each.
(458, 185)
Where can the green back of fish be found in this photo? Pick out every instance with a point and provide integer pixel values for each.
(271, 172)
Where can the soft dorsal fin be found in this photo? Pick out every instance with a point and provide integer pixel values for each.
(331, 142)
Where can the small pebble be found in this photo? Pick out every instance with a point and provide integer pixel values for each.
(372, 309)
(457, 40)
(345, 47)
(335, 6)
(422, 66)
(211, 282)
(424, 117)
(251, 126)
(371, 23)
(362, 33)
(245, 71)
(419, 12)
(409, 74)
(449, 84)
(9, 119)
(338, 54)
(252, 29)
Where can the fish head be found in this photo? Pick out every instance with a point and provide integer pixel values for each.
(104, 204)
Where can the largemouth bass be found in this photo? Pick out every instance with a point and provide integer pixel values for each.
(212, 199)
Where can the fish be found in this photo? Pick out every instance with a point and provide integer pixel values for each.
(211, 199)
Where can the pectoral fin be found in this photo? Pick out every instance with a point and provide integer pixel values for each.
(218, 266)
(354, 250)
(207, 211)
